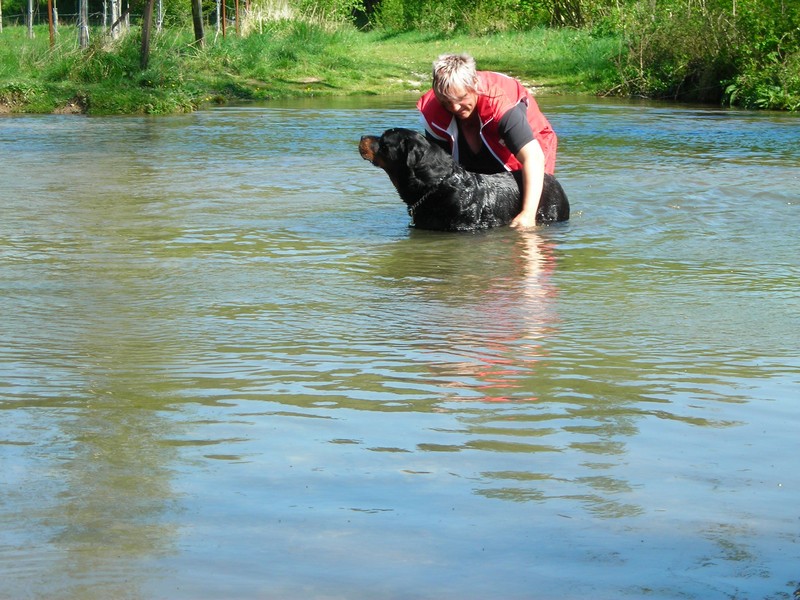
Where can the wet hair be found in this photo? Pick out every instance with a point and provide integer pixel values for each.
(454, 71)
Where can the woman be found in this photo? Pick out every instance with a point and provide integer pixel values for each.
(489, 122)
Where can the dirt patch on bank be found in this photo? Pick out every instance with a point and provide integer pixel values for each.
(7, 105)
(76, 105)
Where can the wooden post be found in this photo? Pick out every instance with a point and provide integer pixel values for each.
(197, 19)
(83, 24)
(147, 22)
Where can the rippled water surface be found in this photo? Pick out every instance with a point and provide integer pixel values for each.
(229, 369)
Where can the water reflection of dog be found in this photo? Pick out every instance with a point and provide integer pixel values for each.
(488, 304)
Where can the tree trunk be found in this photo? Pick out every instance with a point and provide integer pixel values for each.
(224, 17)
(197, 19)
(114, 18)
(147, 25)
(50, 23)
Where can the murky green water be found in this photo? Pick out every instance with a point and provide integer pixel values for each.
(229, 370)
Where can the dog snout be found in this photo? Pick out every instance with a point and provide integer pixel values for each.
(367, 147)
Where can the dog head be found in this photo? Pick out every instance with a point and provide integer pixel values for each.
(405, 155)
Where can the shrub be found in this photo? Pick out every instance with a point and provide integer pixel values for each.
(709, 51)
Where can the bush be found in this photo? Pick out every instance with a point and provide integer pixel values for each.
(776, 87)
(707, 52)
(468, 16)
(769, 70)
(675, 52)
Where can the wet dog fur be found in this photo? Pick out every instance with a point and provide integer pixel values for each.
(442, 195)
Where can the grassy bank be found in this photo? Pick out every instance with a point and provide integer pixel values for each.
(276, 59)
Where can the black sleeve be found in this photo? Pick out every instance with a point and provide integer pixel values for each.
(514, 129)
(441, 143)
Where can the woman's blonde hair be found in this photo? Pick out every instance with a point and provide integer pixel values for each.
(454, 72)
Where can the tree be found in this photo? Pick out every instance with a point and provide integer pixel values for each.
(115, 6)
(50, 23)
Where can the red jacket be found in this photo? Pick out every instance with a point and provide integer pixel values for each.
(498, 93)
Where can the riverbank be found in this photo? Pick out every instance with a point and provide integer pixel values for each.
(277, 60)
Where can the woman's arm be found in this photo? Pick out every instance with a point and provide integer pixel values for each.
(532, 159)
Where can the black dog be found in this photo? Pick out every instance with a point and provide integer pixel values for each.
(444, 196)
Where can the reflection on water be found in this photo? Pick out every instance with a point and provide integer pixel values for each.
(230, 369)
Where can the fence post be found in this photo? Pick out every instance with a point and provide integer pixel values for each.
(83, 24)
(147, 24)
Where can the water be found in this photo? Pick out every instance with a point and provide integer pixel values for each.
(229, 369)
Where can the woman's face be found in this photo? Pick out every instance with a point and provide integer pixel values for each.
(461, 102)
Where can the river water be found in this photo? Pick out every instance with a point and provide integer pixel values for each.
(230, 370)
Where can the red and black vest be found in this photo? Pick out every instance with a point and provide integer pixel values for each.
(498, 94)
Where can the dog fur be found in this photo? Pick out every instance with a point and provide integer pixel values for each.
(442, 195)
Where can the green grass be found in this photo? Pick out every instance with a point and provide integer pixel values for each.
(277, 59)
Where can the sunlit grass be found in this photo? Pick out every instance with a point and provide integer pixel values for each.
(278, 58)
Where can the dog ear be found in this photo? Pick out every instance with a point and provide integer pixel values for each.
(391, 146)
(414, 148)
(422, 160)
